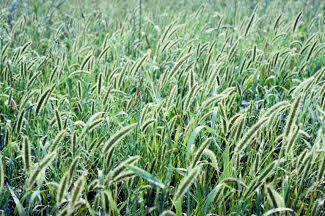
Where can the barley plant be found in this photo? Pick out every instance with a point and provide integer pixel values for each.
(162, 107)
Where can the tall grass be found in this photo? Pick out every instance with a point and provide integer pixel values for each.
(162, 107)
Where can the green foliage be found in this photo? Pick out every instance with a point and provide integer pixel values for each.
(162, 107)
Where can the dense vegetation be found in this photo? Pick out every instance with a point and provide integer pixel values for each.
(162, 107)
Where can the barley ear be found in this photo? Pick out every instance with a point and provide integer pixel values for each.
(292, 116)
(72, 168)
(260, 179)
(243, 142)
(186, 183)
(44, 97)
(20, 121)
(62, 188)
(200, 151)
(117, 137)
(121, 167)
(249, 24)
(105, 202)
(58, 120)
(42, 165)
(321, 170)
(296, 22)
(57, 140)
(122, 177)
(41, 101)
(275, 199)
(2, 174)
(26, 153)
(168, 213)
(78, 189)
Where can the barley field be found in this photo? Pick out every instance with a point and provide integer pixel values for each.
(162, 107)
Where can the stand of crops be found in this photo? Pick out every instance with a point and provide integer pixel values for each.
(162, 107)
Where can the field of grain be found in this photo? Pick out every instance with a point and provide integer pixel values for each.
(162, 107)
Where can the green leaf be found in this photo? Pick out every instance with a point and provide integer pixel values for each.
(113, 203)
(191, 140)
(19, 206)
(211, 196)
(147, 176)
(276, 210)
